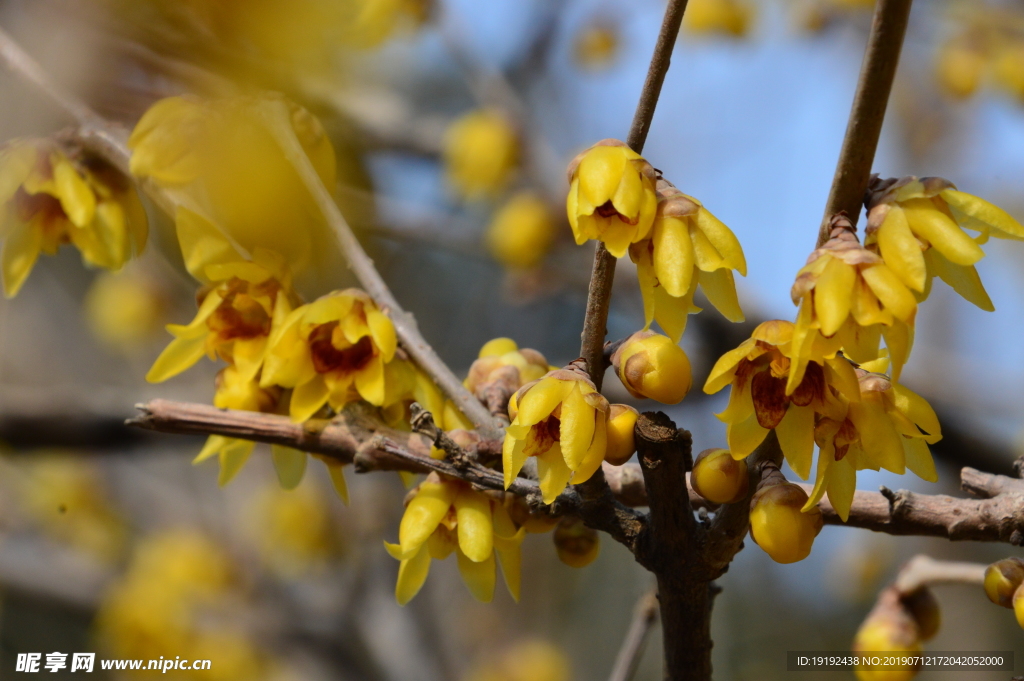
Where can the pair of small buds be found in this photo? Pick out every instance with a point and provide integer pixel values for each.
(1003, 585)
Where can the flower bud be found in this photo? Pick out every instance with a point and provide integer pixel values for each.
(481, 150)
(577, 545)
(496, 347)
(924, 610)
(535, 523)
(1002, 579)
(890, 631)
(596, 45)
(651, 365)
(778, 525)
(718, 477)
(521, 232)
(621, 443)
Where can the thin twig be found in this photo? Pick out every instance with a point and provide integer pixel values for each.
(595, 322)
(922, 571)
(644, 616)
(853, 171)
(109, 140)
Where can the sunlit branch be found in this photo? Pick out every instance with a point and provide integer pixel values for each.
(853, 171)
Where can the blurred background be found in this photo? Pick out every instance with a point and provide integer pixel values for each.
(111, 541)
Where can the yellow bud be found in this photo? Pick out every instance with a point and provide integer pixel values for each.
(1018, 605)
(596, 45)
(960, 68)
(577, 545)
(521, 232)
(1002, 579)
(888, 630)
(718, 477)
(480, 153)
(621, 442)
(124, 310)
(535, 523)
(924, 610)
(497, 347)
(651, 365)
(779, 527)
(730, 17)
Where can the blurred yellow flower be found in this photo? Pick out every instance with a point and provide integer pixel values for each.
(445, 516)
(889, 627)
(521, 231)
(331, 351)
(1008, 68)
(481, 150)
(293, 529)
(687, 246)
(563, 421)
(530, 660)
(596, 45)
(724, 17)
(611, 196)
(233, 162)
(576, 544)
(502, 357)
(960, 67)
(125, 310)
(49, 198)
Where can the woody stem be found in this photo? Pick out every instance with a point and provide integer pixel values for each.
(603, 274)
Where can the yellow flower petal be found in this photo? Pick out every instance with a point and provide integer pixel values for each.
(179, 355)
(833, 295)
(21, 250)
(248, 356)
(509, 553)
(233, 456)
(423, 514)
(826, 458)
(919, 459)
(479, 577)
(672, 313)
(879, 437)
(308, 398)
(595, 454)
(938, 229)
(892, 293)
(599, 173)
(513, 456)
(370, 382)
(725, 368)
(576, 430)
(383, 333)
(337, 472)
(963, 280)
(553, 474)
(673, 255)
(629, 195)
(901, 250)
(724, 241)
(842, 483)
(899, 338)
(919, 411)
(796, 438)
(412, 574)
(840, 374)
(74, 194)
(720, 288)
(744, 437)
(202, 244)
(212, 446)
(475, 527)
(983, 211)
(741, 404)
(538, 403)
(290, 465)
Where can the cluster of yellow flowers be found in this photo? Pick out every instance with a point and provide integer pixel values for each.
(985, 49)
(50, 196)
(616, 197)
(282, 356)
(176, 599)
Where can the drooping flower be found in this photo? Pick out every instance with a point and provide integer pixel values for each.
(481, 150)
(576, 544)
(889, 427)
(758, 371)
(722, 17)
(563, 421)
(445, 516)
(653, 366)
(237, 305)
(611, 196)
(849, 298)
(917, 226)
(687, 247)
(331, 351)
(521, 231)
(49, 197)
(236, 162)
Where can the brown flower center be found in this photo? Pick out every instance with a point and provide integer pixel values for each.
(327, 357)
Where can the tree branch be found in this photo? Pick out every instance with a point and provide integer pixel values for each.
(921, 571)
(603, 274)
(644, 616)
(853, 171)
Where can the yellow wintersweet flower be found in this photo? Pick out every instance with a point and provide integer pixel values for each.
(521, 232)
(889, 427)
(481, 149)
(596, 45)
(611, 196)
(293, 530)
(849, 298)
(445, 516)
(917, 226)
(563, 421)
(502, 357)
(621, 444)
(49, 198)
(331, 351)
(727, 17)
(778, 525)
(652, 366)
(687, 246)
(237, 305)
(125, 310)
(757, 370)
(960, 67)
(718, 477)
(233, 161)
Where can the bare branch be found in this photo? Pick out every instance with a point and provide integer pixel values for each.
(603, 274)
(923, 571)
(644, 616)
(853, 171)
